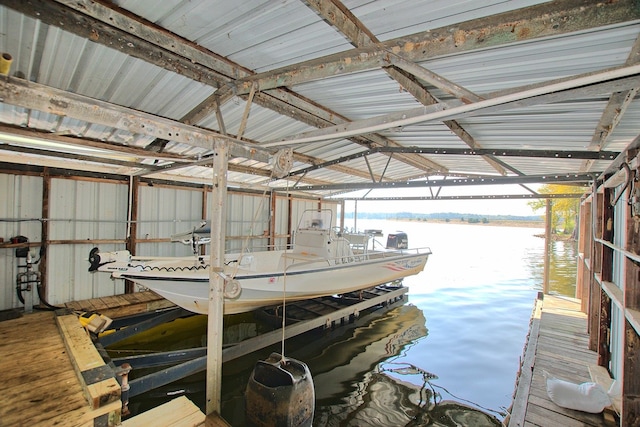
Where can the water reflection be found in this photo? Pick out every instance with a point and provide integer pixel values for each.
(562, 267)
(384, 400)
(341, 360)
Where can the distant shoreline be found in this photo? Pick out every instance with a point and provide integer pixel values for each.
(495, 223)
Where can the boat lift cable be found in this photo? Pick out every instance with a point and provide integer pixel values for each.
(284, 303)
(283, 162)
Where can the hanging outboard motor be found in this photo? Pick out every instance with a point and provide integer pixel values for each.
(280, 394)
(398, 240)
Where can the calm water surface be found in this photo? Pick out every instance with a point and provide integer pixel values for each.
(448, 357)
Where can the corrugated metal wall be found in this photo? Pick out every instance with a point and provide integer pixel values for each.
(247, 216)
(618, 278)
(281, 222)
(83, 210)
(96, 212)
(164, 211)
(20, 202)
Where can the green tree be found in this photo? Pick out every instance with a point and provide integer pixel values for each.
(564, 211)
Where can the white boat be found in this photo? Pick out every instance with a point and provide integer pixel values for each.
(320, 263)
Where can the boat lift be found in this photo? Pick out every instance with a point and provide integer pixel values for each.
(325, 313)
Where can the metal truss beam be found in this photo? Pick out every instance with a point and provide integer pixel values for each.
(474, 197)
(549, 154)
(458, 182)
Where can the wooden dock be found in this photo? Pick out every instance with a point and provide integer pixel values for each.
(40, 380)
(52, 373)
(557, 344)
(122, 305)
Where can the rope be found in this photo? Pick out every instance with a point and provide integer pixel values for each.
(284, 300)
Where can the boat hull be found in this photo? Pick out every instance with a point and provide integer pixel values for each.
(191, 291)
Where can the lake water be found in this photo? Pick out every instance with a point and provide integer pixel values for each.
(448, 357)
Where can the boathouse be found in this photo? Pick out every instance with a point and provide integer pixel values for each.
(125, 122)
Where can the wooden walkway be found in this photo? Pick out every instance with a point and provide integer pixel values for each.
(52, 374)
(40, 383)
(557, 344)
(122, 305)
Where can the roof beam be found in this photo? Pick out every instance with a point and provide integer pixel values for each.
(127, 33)
(65, 104)
(482, 180)
(547, 154)
(119, 29)
(546, 92)
(543, 20)
(474, 197)
(296, 107)
(108, 160)
(38, 135)
(340, 17)
(615, 109)
(404, 72)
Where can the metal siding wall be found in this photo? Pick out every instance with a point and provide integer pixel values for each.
(281, 222)
(618, 277)
(247, 215)
(617, 341)
(620, 239)
(163, 212)
(20, 198)
(83, 210)
(297, 209)
(88, 210)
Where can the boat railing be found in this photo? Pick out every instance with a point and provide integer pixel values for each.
(387, 253)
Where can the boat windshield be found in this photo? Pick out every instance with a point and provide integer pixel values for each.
(316, 219)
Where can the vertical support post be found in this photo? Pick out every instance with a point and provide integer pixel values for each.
(630, 378)
(604, 349)
(547, 247)
(355, 216)
(132, 227)
(46, 227)
(203, 216)
(595, 291)
(216, 283)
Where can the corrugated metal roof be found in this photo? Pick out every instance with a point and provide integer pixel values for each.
(464, 42)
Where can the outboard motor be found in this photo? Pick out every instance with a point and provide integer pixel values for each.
(398, 240)
(280, 394)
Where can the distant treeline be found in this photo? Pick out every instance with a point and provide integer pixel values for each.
(446, 216)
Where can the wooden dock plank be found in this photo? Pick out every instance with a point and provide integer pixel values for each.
(560, 343)
(85, 358)
(122, 305)
(43, 360)
(179, 412)
(41, 386)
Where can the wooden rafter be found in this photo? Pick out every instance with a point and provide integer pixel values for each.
(613, 112)
(130, 34)
(405, 72)
(66, 104)
(602, 81)
(543, 20)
